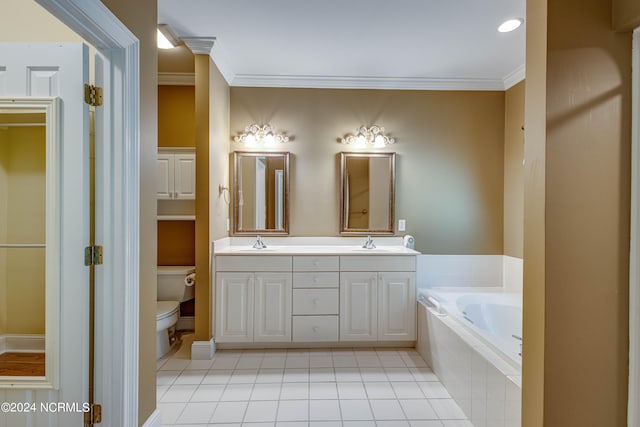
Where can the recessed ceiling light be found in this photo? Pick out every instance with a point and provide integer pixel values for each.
(166, 37)
(510, 25)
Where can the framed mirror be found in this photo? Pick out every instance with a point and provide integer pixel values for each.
(260, 192)
(29, 243)
(367, 193)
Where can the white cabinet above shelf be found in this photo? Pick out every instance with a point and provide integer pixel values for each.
(176, 174)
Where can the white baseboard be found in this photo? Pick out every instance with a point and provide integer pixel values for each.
(154, 420)
(203, 350)
(22, 343)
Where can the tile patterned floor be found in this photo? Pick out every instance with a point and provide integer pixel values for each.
(315, 387)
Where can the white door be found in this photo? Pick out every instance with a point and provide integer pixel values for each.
(184, 176)
(234, 305)
(358, 307)
(272, 307)
(59, 70)
(397, 306)
(165, 177)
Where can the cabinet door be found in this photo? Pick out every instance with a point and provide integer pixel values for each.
(164, 177)
(358, 306)
(272, 307)
(397, 306)
(234, 307)
(185, 176)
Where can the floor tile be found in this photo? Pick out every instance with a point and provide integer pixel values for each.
(217, 377)
(294, 391)
(457, 423)
(291, 424)
(324, 410)
(399, 374)
(296, 375)
(166, 377)
(418, 409)
(293, 410)
(170, 411)
(243, 376)
(297, 362)
(208, 393)
(266, 391)
(325, 424)
(200, 365)
(190, 377)
(273, 362)
(224, 363)
(229, 412)
(387, 410)
(196, 413)
(347, 374)
(447, 409)
(379, 390)
(434, 390)
(351, 391)
(321, 361)
(355, 410)
(340, 361)
(359, 424)
(392, 362)
(430, 423)
(237, 393)
(407, 390)
(394, 423)
(368, 361)
(178, 393)
(262, 411)
(321, 375)
(423, 374)
(323, 391)
(270, 375)
(373, 374)
(175, 365)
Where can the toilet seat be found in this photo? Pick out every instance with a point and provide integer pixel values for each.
(166, 309)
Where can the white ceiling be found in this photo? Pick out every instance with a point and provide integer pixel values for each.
(395, 44)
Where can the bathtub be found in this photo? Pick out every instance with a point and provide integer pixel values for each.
(470, 338)
(491, 314)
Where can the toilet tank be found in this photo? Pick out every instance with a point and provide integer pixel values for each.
(171, 285)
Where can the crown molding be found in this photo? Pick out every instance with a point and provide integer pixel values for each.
(199, 45)
(344, 82)
(219, 56)
(176, 79)
(514, 77)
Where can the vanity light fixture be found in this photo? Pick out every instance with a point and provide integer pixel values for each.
(373, 136)
(510, 25)
(256, 134)
(167, 39)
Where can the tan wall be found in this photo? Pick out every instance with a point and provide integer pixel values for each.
(514, 170)
(176, 243)
(29, 22)
(4, 195)
(141, 18)
(176, 116)
(626, 15)
(576, 275)
(25, 222)
(533, 309)
(449, 167)
(176, 60)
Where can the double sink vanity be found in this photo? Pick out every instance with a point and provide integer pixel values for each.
(292, 291)
(314, 290)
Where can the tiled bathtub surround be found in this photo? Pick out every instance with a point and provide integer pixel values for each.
(486, 387)
(470, 271)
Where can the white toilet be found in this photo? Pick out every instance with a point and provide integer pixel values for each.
(171, 292)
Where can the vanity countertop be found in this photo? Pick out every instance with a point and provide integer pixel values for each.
(311, 246)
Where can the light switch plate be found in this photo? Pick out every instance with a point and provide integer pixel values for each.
(402, 225)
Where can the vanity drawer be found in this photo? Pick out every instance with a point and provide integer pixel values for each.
(315, 328)
(315, 263)
(252, 263)
(315, 301)
(377, 263)
(316, 280)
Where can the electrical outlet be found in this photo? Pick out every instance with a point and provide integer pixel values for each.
(402, 225)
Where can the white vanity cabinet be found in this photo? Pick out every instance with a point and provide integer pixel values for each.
(253, 299)
(377, 298)
(176, 174)
(315, 298)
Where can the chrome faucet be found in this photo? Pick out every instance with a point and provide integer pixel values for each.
(259, 244)
(369, 243)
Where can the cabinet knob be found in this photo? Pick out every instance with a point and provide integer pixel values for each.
(316, 280)
(316, 301)
(315, 329)
(316, 263)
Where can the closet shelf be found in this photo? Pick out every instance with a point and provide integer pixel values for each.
(176, 217)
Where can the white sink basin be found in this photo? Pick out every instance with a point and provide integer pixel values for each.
(257, 250)
(370, 250)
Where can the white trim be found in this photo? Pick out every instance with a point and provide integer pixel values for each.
(199, 45)
(154, 420)
(220, 58)
(633, 408)
(116, 326)
(203, 350)
(27, 343)
(176, 79)
(348, 82)
(514, 77)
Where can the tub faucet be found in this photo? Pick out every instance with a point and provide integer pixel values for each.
(369, 243)
(259, 244)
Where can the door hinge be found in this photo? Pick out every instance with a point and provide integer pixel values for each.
(93, 255)
(93, 95)
(93, 415)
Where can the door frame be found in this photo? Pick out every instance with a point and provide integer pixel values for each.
(117, 198)
(633, 406)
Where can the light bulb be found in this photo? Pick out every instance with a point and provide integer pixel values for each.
(361, 141)
(509, 25)
(269, 139)
(379, 141)
(163, 41)
(250, 139)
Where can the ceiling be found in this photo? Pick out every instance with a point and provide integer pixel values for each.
(392, 44)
